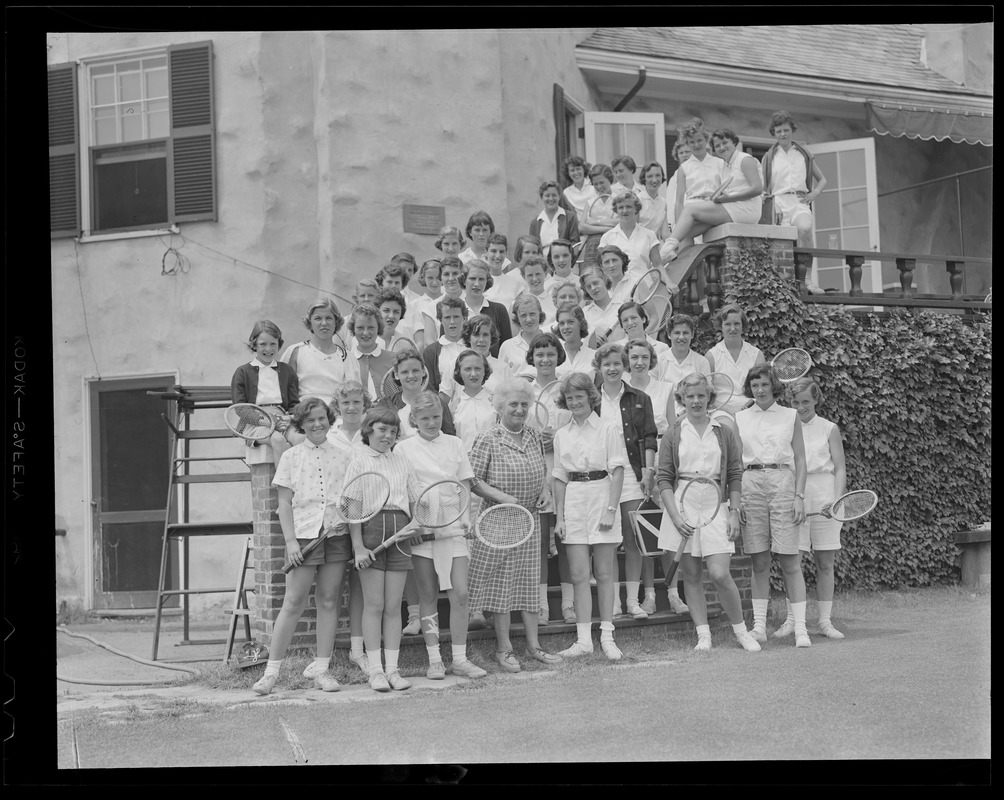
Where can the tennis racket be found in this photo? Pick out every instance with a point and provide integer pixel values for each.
(724, 389)
(849, 506)
(250, 422)
(389, 385)
(362, 499)
(504, 526)
(402, 344)
(718, 192)
(545, 414)
(439, 506)
(791, 364)
(699, 504)
(645, 521)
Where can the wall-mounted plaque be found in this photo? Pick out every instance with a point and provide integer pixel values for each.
(428, 220)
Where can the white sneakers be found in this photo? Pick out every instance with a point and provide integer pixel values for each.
(576, 650)
(749, 644)
(787, 628)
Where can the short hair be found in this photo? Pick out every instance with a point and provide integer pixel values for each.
(589, 271)
(517, 251)
(405, 355)
(450, 302)
(302, 410)
(652, 165)
(607, 349)
(691, 128)
(264, 326)
(579, 382)
(682, 319)
(372, 284)
(498, 238)
(510, 387)
(376, 416)
(763, 371)
(404, 258)
(628, 305)
(521, 300)
(542, 340)
(450, 261)
(549, 185)
(602, 169)
(344, 389)
(627, 197)
(424, 399)
(427, 265)
(475, 324)
(627, 161)
(477, 263)
(329, 304)
(479, 218)
(653, 359)
(449, 230)
(558, 243)
(574, 161)
(457, 377)
(677, 147)
(809, 385)
(533, 260)
(393, 271)
(572, 281)
(577, 312)
(731, 308)
(391, 296)
(725, 133)
(694, 379)
(780, 118)
(625, 259)
(366, 310)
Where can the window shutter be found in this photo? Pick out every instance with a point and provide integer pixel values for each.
(191, 193)
(64, 149)
(560, 134)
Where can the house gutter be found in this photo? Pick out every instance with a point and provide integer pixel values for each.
(634, 89)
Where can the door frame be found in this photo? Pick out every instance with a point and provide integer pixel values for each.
(657, 119)
(92, 572)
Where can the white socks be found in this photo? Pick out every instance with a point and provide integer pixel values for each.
(435, 656)
(567, 595)
(356, 646)
(584, 632)
(703, 637)
(606, 632)
(825, 609)
(543, 595)
(760, 615)
(272, 667)
(632, 593)
(459, 653)
(391, 658)
(798, 610)
(374, 661)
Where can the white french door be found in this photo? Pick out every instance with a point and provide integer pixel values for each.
(846, 213)
(610, 134)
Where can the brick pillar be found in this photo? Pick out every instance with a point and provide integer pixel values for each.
(782, 241)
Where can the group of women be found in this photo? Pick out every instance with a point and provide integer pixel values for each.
(438, 383)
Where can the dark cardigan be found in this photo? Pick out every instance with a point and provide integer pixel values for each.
(244, 385)
(640, 433)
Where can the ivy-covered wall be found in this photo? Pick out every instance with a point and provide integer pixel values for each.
(911, 392)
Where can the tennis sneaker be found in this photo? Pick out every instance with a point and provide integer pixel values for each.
(397, 683)
(704, 644)
(265, 684)
(362, 661)
(759, 634)
(568, 615)
(748, 642)
(541, 655)
(507, 660)
(436, 671)
(827, 629)
(466, 669)
(637, 612)
(576, 650)
(326, 682)
(476, 621)
(785, 630)
(543, 615)
(611, 650)
(313, 671)
(802, 639)
(676, 603)
(413, 628)
(378, 681)
(648, 605)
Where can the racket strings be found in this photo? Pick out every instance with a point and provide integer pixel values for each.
(792, 364)
(505, 526)
(249, 421)
(853, 505)
(723, 387)
(363, 497)
(699, 502)
(442, 505)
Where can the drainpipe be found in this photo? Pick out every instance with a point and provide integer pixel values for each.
(634, 89)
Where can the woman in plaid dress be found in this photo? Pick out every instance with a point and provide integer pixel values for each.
(508, 464)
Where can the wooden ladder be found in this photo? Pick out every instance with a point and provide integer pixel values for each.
(240, 607)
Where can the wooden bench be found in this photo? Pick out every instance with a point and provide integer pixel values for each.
(975, 547)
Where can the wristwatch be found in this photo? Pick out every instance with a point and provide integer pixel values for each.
(612, 509)
(799, 495)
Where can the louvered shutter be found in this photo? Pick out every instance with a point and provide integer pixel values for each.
(192, 154)
(560, 134)
(64, 149)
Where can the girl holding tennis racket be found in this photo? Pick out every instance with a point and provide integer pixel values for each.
(630, 411)
(589, 466)
(383, 576)
(733, 355)
(634, 321)
(640, 243)
(773, 496)
(268, 384)
(614, 263)
(601, 313)
(825, 481)
(409, 375)
(698, 447)
(309, 479)
(436, 456)
(681, 360)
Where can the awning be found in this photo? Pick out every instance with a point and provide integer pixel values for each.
(930, 123)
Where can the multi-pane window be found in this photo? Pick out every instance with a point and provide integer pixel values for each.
(129, 101)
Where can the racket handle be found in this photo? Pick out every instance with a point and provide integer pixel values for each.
(304, 552)
(676, 562)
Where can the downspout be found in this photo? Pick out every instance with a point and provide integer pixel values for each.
(634, 89)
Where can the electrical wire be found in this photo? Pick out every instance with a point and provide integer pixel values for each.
(63, 629)
(83, 305)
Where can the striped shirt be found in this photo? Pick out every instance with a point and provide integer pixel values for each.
(394, 467)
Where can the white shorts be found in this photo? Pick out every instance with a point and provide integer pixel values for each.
(585, 504)
(789, 206)
(442, 552)
(818, 533)
(711, 540)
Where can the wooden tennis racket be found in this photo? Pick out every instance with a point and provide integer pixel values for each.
(724, 389)
(251, 423)
(440, 505)
(389, 386)
(362, 499)
(849, 506)
(699, 504)
(504, 526)
(791, 364)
